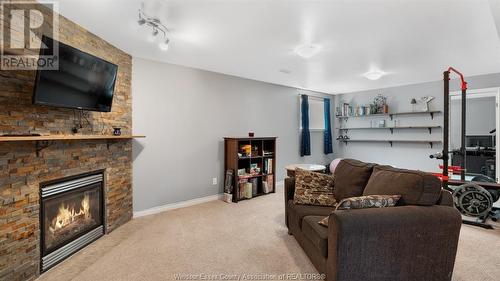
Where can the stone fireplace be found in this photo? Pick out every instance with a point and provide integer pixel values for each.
(71, 216)
(25, 214)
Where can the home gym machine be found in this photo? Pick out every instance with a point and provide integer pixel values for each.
(472, 198)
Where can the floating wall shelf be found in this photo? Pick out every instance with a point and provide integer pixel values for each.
(346, 129)
(391, 115)
(430, 142)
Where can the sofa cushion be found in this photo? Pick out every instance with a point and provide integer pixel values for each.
(351, 177)
(317, 234)
(415, 187)
(298, 212)
(313, 188)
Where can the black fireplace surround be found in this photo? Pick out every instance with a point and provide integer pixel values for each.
(71, 216)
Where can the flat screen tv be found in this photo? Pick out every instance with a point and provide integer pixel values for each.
(82, 81)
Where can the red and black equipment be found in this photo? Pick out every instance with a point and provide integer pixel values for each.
(470, 198)
(446, 125)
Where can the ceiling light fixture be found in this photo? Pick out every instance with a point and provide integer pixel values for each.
(374, 74)
(164, 45)
(308, 50)
(157, 26)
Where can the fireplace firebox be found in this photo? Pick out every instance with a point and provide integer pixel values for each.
(71, 216)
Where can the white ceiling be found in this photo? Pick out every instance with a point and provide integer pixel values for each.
(412, 40)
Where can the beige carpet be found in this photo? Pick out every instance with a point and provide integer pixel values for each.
(220, 238)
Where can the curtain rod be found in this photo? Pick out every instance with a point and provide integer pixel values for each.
(314, 97)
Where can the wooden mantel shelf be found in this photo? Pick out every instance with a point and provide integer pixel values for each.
(67, 137)
(42, 142)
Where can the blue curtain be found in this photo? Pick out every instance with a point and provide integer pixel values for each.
(327, 137)
(305, 144)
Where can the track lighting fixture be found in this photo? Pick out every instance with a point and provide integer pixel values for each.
(157, 26)
(164, 45)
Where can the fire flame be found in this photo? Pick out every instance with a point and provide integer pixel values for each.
(67, 215)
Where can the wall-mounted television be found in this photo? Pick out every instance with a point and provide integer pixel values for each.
(83, 81)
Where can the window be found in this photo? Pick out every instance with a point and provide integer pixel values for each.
(316, 114)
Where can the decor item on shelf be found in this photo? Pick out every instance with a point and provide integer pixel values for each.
(251, 134)
(413, 103)
(117, 131)
(367, 109)
(254, 169)
(423, 103)
(246, 150)
(241, 172)
(156, 27)
(338, 111)
(255, 151)
(380, 104)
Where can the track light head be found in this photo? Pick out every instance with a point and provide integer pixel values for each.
(155, 32)
(141, 21)
(164, 45)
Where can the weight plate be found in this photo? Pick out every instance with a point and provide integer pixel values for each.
(472, 200)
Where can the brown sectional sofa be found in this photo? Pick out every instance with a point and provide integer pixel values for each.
(416, 240)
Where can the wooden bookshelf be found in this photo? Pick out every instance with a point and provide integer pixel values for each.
(262, 155)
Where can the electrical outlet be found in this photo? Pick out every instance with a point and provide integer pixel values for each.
(214, 181)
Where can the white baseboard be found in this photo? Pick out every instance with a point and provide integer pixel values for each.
(177, 205)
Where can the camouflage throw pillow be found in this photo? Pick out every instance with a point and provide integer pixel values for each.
(313, 188)
(363, 202)
(368, 201)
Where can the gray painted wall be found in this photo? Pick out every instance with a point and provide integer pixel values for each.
(185, 113)
(411, 156)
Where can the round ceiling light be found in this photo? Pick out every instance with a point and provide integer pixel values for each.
(307, 50)
(374, 74)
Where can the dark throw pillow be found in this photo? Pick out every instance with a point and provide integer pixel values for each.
(415, 187)
(351, 177)
(313, 188)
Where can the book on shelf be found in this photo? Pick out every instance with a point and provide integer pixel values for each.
(268, 166)
(255, 184)
(268, 184)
